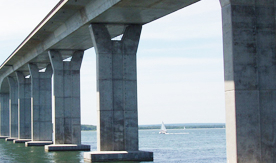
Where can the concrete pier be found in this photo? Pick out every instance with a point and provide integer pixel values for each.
(117, 94)
(250, 80)
(24, 107)
(66, 99)
(41, 106)
(13, 108)
(4, 110)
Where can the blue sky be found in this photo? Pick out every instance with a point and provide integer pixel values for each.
(180, 62)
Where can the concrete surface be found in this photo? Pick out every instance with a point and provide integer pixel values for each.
(21, 140)
(37, 143)
(4, 111)
(67, 147)
(24, 106)
(66, 98)
(10, 139)
(72, 33)
(3, 137)
(116, 88)
(41, 104)
(110, 156)
(250, 80)
(13, 108)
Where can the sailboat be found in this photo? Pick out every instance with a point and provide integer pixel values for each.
(163, 129)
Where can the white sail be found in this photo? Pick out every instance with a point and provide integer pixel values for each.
(163, 129)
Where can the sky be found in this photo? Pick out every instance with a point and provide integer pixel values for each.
(179, 62)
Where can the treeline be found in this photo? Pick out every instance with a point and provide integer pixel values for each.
(169, 126)
(88, 127)
(181, 126)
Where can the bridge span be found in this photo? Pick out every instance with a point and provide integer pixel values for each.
(50, 58)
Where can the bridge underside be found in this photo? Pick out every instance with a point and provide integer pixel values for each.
(74, 26)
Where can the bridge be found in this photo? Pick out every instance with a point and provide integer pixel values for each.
(49, 59)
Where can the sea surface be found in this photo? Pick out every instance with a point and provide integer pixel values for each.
(178, 146)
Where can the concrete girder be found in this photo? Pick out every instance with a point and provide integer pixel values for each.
(66, 26)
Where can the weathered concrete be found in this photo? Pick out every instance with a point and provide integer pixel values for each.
(4, 110)
(10, 139)
(21, 140)
(37, 143)
(67, 147)
(13, 108)
(109, 156)
(41, 104)
(117, 91)
(24, 106)
(116, 88)
(66, 99)
(3, 137)
(250, 80)
(66, 27)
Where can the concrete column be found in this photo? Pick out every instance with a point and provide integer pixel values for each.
(117, 128)
(4, 111)
(250, 80)
(41, 104)
(66, 90)
(24, 106)
(13, 108)
(116, 88)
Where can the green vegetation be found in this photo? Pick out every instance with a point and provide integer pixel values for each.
(187, 126)
(168, 126)
(88, 127)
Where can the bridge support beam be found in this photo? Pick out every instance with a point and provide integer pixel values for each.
(24, 108)
(117, 96)
(66, 107)
(13, 109)
(41, 106)
(4, 110)
(250, 80)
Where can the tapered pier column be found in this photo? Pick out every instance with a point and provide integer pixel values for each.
(13, 109)
(41, 106)
(117, 95)
(250, 80)
(24, 108)
(66, 102)
(4, 111)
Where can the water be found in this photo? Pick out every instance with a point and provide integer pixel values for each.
(179, 146)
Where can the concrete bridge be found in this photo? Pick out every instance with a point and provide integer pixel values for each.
(50, 58)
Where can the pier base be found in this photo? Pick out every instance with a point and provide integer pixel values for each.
(3, 137)
(37, 143)
(21, 140)
(67, 147)
(10, 139)
(107, 156)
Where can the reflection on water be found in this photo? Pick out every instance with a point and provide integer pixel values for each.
(18, 153)
(204, 146)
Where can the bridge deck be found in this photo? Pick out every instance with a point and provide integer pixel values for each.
(66, 27)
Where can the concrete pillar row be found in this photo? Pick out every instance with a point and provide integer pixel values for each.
(4, 111)
(41, 104)
(250, 80)
(24, 106)
(66, 97)
(13, 108)
(116, 88)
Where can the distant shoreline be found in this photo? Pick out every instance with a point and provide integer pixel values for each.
(168, 126)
